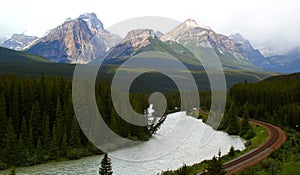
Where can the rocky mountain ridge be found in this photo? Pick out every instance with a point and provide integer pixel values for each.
(17, 41)
(79, 40)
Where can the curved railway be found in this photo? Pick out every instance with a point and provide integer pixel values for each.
(276, 137)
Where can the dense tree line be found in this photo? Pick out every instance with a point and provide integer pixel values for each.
(38, 124)
(276, 101)
(233, 125)
(37, 121)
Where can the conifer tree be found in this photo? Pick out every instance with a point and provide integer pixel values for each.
(59, 122)
(233, 125)
(53, 144)
(3, 119)
(64, 146)
(74, 140)
(215, 166)
(247, 131)
(36, 121)
(105, 168)
(231, 152)
(11, 145)
(46, 132)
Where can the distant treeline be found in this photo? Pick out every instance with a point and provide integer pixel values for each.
(274, 100)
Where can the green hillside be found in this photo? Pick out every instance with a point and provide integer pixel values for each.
(21, 63)
(284, 77)
(12, 55)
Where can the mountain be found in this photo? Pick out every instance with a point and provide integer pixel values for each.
(133, 41)
(288, 63)
(192, 34)
(285, 63)
(75, 41)
(294, 53)
(18, 41)
(2, 39)
(202, 36)
(245, 47)
(143, 40)
(173, 42)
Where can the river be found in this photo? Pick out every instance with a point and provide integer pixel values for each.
(192, 142)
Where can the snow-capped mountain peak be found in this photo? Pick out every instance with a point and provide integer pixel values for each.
(92, 21)
(18, 41)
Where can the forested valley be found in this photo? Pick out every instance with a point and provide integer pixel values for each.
(275, 100)
(38, 122)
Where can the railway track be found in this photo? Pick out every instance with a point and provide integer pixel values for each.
(276, 137)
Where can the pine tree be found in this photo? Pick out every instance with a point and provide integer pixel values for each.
(64, 146)
(12, 171)
(11, 145)
(247, 131)
(46, 132)
(53, 144)
(36, 121)
(233, 125)
(24, 129)
(105, 168)
(231, 152)
(3, 119)
(22, 143)
(39, 150)
(59, 123)
(215, 166)
(30, 140)
(14, 107)
(74, 140)
(245, 123)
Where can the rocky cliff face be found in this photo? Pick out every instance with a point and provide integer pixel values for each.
(286, 63)
(245, 47)
(75, 41)
(18, 41)
(134, 41)
(190, 32)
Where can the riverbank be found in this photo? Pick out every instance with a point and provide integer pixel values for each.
(147, 157)
(261, 136)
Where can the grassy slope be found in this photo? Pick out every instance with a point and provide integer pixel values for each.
(12, 55)
(21, 63)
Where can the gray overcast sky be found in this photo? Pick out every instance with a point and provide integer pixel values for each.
(261, 21)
